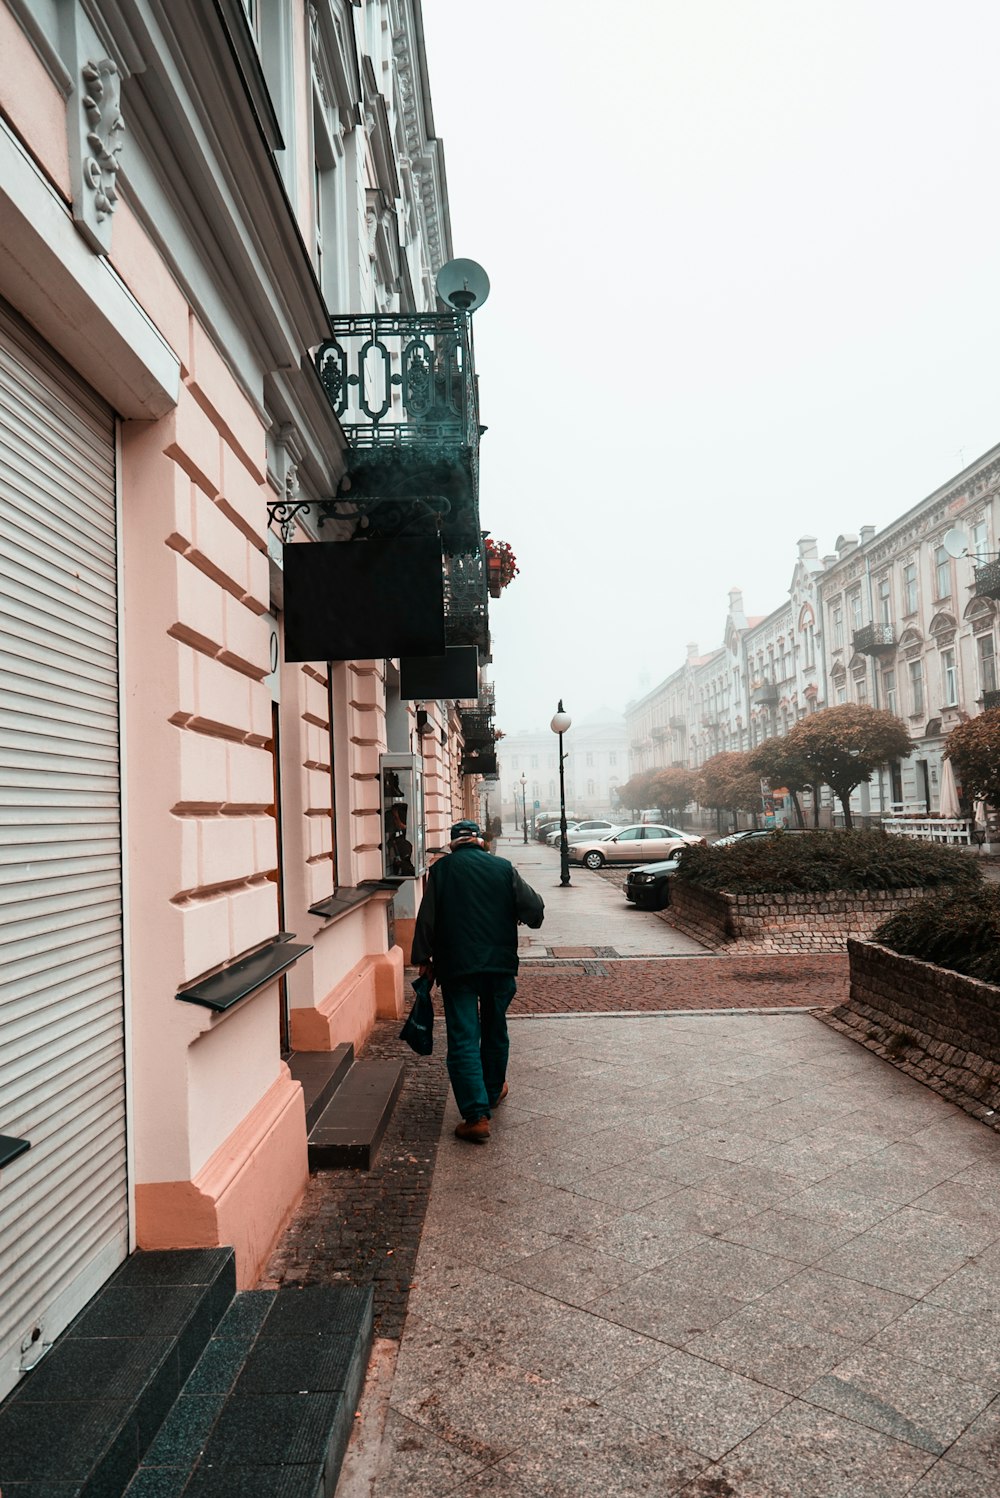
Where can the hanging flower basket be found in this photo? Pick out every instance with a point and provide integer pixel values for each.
(501, 566)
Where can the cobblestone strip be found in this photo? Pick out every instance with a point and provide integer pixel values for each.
(666, 983)
(362, 1227)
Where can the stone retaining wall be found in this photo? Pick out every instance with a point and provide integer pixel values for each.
(813, 922)
(936, 1025)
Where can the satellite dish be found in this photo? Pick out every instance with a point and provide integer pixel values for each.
(463, 284)
(955, 542)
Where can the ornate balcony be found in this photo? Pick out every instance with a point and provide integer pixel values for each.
(466, 606)
(987, 579)
(477, 729)
(404, 390)
(677, 720)
(873, 639)
(763, 693)
(660, 731)
(990, 701)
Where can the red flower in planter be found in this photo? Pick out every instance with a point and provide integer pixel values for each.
(501, 566)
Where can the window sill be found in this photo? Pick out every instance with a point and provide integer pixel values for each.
(246, 976)
(349, 897)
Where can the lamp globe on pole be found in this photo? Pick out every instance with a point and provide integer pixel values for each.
(561, 722)
(524, 806)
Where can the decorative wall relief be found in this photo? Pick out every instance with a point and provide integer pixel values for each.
(96, 137)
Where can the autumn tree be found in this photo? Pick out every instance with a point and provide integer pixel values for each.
(779, 762)
(974, 750)
(727, 782)
(672, 791)
(634, 794)
(845, 745)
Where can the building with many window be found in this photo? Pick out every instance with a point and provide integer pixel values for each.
(596, 763)
(221, 348)
(904, 618)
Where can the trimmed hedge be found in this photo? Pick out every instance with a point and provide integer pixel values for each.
(810, 862)
(959, 930)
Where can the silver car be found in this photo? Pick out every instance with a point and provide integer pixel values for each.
(637, 844)
(586, 832)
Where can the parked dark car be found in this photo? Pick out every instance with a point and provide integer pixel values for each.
(648, 887)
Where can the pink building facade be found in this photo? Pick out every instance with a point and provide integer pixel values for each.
(193, 862)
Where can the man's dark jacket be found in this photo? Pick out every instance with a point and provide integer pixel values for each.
(468, 917)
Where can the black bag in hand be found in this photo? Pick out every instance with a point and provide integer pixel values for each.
(418, 1032)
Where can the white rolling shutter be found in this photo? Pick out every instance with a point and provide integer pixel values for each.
(63, 1204)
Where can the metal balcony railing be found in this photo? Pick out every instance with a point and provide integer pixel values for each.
(872, 639)
(404, 389)
(990, 701)
(987, 579)
(477, 729)
(466, 605)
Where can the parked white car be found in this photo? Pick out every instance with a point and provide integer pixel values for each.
(588, 831)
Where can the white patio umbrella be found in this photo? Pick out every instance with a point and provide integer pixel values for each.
(948, 798)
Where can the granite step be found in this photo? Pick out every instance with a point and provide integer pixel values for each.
(320, 1073)
(350, 1128)
(269, 1407)
(78, 1424)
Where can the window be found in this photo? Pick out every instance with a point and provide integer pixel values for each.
(855, 605)
(552, 790)
(534, 790)
(861, 690)
(884, 600)
(942, 573)
(513, 763)
(590, 788)
(889, 690)
(838, 627)
(590, 759)
(630, 835)
(949, 678)
(534, 761)
(612, 758)
(910, 588)
(916, 687)
(980, 541)
(841, 694)
(552, 760)
(987, 658)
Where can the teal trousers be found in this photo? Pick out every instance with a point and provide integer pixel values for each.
(475, 1016)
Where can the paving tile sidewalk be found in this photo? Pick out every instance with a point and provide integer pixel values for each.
(705, 1255)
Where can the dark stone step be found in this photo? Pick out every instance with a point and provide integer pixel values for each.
(80, 1422)
(351, 1126)
(269, 1407)
(321, 1073)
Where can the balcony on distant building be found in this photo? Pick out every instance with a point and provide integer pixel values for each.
(763, 693)
(660, 732)
(677, 720)
(404, 389)
(990, 701)
(873, 639)
(987, 579)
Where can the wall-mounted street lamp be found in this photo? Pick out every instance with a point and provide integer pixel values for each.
(561, 722)
(524, 806)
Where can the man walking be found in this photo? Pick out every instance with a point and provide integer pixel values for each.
(465, 938)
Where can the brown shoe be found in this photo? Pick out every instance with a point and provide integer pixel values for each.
(475, 1130)
(503, 1093)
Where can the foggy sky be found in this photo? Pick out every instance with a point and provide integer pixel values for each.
(744, 264)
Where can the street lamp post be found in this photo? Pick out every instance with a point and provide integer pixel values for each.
(524, 806)
(559, 725)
